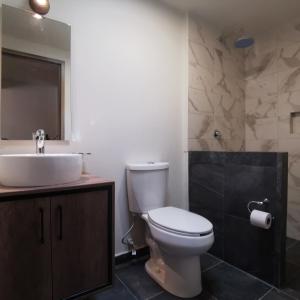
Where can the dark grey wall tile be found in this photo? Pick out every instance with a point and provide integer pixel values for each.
(250, 248)
(217, 248)
(216, 217)
(208, 176)
(248, 183)
(220, 186)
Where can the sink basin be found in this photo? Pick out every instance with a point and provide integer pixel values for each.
(28, 170)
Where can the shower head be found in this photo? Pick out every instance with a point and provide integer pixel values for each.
(244, 42)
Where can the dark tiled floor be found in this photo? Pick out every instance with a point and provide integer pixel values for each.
(221, 281)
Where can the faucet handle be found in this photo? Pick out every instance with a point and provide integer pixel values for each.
(40, 133)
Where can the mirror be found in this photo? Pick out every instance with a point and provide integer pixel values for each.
(35, 84)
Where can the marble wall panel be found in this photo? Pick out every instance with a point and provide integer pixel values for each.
(262, 145)
(272, 93)
(216, 90)
(201, 125)
(248, 95)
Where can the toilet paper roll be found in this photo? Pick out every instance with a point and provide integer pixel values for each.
(261, 219)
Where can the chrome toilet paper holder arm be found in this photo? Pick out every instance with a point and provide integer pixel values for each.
(260, 203)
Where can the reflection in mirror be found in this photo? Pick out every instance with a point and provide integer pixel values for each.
(35, 76)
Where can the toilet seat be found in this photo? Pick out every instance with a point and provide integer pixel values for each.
(179, 222)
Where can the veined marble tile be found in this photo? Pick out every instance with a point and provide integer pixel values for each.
(233, 128)
(216, 145)
(285, 125)
(200, 101)
(195, 32)
(289, 57)
(293, 216)
(265, 42)
(230, 145)
(201, 32)
(294, 196)
(237, 129)
(290, 32)
(289, 81)
(228, 106)
(228, 65)
(258, 66)
(294, 172)
(288, 102)
(201, 126)
(227, 40)
(202, 145)
(203, 55)
(261, 87)
(226, 85)
(262, 129)
(200, 78)
(192, 58)
(223, 125)
(262, 145)
(289, 145)
(261, 107)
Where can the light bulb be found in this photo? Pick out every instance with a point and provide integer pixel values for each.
(41, 7)
(37, 16)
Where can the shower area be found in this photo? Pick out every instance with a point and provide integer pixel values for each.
(244, 96)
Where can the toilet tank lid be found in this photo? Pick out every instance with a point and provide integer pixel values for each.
(148, 166)
(180, 220)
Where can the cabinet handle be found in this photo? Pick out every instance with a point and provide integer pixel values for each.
(42, 239)
(60, 213)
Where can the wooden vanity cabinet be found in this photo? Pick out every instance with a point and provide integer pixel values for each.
(25, 249)
(56, 243)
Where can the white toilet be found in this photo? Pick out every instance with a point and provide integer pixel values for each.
(176, 238)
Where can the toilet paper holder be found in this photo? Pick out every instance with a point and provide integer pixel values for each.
(260, 203)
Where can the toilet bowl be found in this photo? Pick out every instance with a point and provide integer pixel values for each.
(176, 237)
(175, 249)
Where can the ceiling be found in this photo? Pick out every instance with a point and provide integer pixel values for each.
(253, 15)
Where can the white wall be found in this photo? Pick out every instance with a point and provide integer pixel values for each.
(128, 90)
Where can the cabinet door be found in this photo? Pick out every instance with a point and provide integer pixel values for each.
(80, 242)
(25, 250)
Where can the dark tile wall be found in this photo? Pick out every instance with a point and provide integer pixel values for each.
(220, 186)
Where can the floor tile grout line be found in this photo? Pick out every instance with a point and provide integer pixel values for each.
(266, 293)
(126, 287)
(238, 269)
(215, 257)
(211, 267)
(286, 294)
(154, 296)
(250, 275)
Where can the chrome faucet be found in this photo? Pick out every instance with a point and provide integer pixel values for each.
(39, 137)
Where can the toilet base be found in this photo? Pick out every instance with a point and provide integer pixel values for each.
(180, 276)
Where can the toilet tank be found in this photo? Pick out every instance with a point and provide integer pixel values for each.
(146, 186)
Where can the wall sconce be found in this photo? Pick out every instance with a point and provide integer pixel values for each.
(41, 7)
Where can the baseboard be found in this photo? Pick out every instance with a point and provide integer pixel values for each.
(127, 257)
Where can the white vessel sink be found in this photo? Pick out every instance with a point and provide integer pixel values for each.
(28, 170)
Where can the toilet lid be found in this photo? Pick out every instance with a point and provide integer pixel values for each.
(180, 220)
